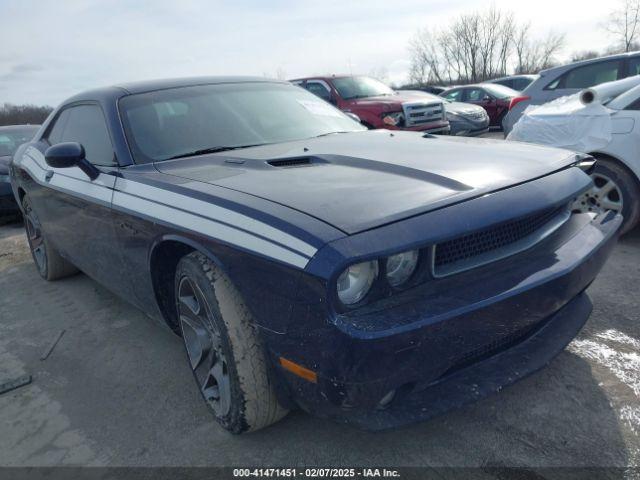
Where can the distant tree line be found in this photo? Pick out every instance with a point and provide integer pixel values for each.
(23, 114)
(487, 44)
(479, 46)
(623, 26)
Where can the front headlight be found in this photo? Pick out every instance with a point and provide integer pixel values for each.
(355, 282)
(401, 266)
(394, 119)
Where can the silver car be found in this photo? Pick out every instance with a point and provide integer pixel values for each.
(465, 119)
(569, 79)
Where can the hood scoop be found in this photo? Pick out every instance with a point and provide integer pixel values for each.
(290, 162)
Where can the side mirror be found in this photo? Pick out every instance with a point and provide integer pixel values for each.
(70, 154)
(64, 155)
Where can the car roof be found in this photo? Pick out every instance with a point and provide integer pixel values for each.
(326, 77)
(471, 85)
(509, 77)
(129, 88)
(9, 128)
(591, 60)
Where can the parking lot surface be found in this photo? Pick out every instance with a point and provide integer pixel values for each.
(116, 390)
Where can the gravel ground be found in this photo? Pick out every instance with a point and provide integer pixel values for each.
(116, 391)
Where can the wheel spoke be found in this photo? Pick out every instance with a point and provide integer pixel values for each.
(196, 340)
(611, 205)
(216, 388)
(606, 188)
(203, 342)
(36, 241)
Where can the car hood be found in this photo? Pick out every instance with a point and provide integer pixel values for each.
(461, 108)
(361, 180)
(395, 102)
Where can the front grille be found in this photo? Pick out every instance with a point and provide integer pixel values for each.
(419, 113)
(477, 115)
(493, 243)
(492, 348)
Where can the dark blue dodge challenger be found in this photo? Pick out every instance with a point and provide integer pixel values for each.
(374, 277)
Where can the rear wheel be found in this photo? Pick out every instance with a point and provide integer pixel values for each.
(615, 188)
(223, 347)
(50, 265)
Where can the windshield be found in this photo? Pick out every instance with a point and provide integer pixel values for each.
(185, 121)
(500, 91)
(360, 87)
(10, 140)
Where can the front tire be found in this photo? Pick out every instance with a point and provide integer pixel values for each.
(50, 265)
(615, 188)
(223, 347)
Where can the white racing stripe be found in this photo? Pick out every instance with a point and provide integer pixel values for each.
(208, 227)
(209, 219)
(216, 213)
(100, 190)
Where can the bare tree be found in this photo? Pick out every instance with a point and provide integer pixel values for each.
(380, 73)
(584, 55)
(23, 114)
(477, 47)
(426, 60)
(624, 24)
(533, 55)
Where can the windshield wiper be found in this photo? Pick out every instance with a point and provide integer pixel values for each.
(204, 151)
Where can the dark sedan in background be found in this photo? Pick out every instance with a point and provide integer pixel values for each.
(465, 119)
(11, 137)
(494, 98)
(515, 82)
(374, 277)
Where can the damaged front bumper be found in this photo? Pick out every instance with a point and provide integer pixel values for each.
(458, 339)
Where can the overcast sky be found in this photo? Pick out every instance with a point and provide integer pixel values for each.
(50, 50)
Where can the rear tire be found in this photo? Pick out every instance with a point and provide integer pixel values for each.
(223, 347)
(50, 265)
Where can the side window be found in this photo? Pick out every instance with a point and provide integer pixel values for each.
(589, 75)
(55, 132)
(454, 96)
(475, 95)
(319, 90)
(634, 106)
(519, 84)
(86, 125)
(634, 66)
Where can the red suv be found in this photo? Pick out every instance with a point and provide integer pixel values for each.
(377, 105)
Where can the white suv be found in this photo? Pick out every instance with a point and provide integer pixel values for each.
(569, 79)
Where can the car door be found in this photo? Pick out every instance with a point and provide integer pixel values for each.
(454, 95)
(74, 210)
(479, 96)
(625, 141)
(633, 66)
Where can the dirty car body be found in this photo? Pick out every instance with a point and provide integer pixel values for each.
(492, 289)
